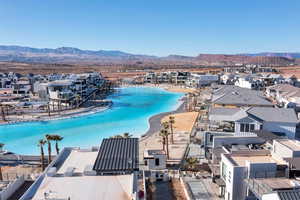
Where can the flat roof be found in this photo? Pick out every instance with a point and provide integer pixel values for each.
(80, 186)
(292, 144)
(79, 160)
(86, 187)
(241, 159)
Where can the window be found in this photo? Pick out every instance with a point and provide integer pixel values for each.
(211, 138)
(252, 127)
(261, 127)
(242, 127)
(157, 161)
(247, 128)
(146, 163)
(224, 169)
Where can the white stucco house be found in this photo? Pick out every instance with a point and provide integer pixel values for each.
(155, 161)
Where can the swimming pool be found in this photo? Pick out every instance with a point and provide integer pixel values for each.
(132, 107)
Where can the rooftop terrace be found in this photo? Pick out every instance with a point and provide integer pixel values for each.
(241, 157)
(292, 144)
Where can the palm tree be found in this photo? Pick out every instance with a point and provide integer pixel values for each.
(124, 135)
(57, 138)
(49, 138)
(78, 99)
(164, 132)
(41, 144)
(191, 162)
(163, 141)
(171, 122)
(1, 175)
(3, 113)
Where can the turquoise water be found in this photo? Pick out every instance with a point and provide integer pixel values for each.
(130, 112)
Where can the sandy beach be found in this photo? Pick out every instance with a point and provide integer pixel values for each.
(184, 123)
(172, 88)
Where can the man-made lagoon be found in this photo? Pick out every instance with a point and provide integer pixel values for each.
(132, 107)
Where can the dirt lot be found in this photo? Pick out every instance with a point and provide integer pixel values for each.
(109, 71)
(290, 71)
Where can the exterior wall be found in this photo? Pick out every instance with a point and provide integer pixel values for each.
(261, 170)
(272, 196)
(234, 179)
(288, 128)
(281, 151)
(151, 162)
(11, 188)
(246, 121)
(221, 141)
(238, 184)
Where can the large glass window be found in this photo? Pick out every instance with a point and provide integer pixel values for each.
(224, 171)
(242, 128)
(247, 128)
(252, 127)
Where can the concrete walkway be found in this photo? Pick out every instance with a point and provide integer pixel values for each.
(202, 189)
(162, 191)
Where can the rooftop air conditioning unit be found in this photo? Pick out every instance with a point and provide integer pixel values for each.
(88, 171)
(69, 171)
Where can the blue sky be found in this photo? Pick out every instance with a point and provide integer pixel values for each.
(156, 27)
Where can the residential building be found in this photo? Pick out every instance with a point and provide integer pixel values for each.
(175, 77)
(108, 173)
(249, 82)
(234, 96)
(256, 174)
(61, 92)
(237, 166)
(199, 80)
(227, 79)
(155, 162)
(285, 95)
(247, 120)
(22, 87)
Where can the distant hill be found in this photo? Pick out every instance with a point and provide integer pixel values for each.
(70, 55)
(287, 55)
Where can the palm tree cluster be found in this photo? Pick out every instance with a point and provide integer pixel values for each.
(167, 129)
(47, 140)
